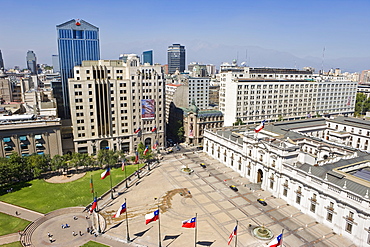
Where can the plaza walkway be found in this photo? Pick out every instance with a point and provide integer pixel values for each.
(217, 206)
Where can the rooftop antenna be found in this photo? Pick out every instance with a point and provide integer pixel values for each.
(322, 62)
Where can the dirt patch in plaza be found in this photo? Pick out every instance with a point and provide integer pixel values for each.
(165, 203)
(65, 178)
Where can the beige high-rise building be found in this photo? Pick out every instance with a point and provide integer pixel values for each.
(111, 100)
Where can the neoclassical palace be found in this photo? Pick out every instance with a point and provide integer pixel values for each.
(304, 163)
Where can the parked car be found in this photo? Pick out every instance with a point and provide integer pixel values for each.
(262, 201)
(170, 151)
(178, 148)
(203, 165)
(233, 187)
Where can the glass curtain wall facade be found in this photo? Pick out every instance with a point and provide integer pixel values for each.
(77, 41)
(148, 57)
(176, 58)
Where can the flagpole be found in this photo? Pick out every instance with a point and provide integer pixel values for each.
(236, 235)
(128, 236)
(282, 233)
(196, 223)
(111, 190)
(159, 228)
(97, 214)
(92, 187)
(125, 173)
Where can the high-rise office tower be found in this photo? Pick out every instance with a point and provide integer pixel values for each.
(55, 61)
(148, 57)
(78, 40)
(176, 58)
(1, 61)
(31, 62)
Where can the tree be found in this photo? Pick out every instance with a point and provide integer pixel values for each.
(180, 134)
(238, 122)
(107, 157)
(38, 164)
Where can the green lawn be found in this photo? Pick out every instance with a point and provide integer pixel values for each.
(93, 244)
(45, 197)
(10, 224)
(14, 244)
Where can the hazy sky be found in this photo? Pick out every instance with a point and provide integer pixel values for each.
(301, 28)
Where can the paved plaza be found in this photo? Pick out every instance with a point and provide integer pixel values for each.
(216, 205)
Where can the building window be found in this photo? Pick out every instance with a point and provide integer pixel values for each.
(349, 227)
(329, 216)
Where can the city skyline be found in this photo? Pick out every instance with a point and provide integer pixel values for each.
(212, 31)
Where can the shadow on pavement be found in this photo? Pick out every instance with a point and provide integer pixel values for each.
(205, 243)
(173, 237)
(140, 234)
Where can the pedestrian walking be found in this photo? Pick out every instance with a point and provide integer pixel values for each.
(62, 226)
(16, 213)
(73, 233)
(81, 233)
(88, 230)
(66, 226)
(50, 239)
(49, 235)
(75, 217)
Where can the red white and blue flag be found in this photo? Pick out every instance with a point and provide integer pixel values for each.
(260, 127)
(136, 157)
(155, 145)
(146, 150)
(152, 217)
(120, 211)
(105, 174)
(154, 129)
(232, 235)
(276, 241)
(94, 205)
(189, 223)
(137, 130)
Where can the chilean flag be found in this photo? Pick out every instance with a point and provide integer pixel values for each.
(105, 174)
(136, 157)
(121, 210)
(93, 206)
(146, 150)
(155, 145)
(276, 241)
(137, 130)
(154, 129)
(189, 223)
(152, 217)
(260, 127)
(232, 235)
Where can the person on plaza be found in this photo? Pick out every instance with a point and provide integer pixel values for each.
(73, 233)
(49, 235)
(50, 239)
(75, 217)
(81, 233)
(66, 226)
(88, 230)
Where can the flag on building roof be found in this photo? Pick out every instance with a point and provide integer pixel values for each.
(94, 205)
(260, 127)
(154, 129)
(136, 157)
(146, 150)
(189, 223)
(232, 235)
(152, 216)
(276, 241)
(120, 211)
(105, 174)
(137, 130)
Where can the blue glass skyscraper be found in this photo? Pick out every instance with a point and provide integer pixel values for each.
(148, 57)
(78, 40)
